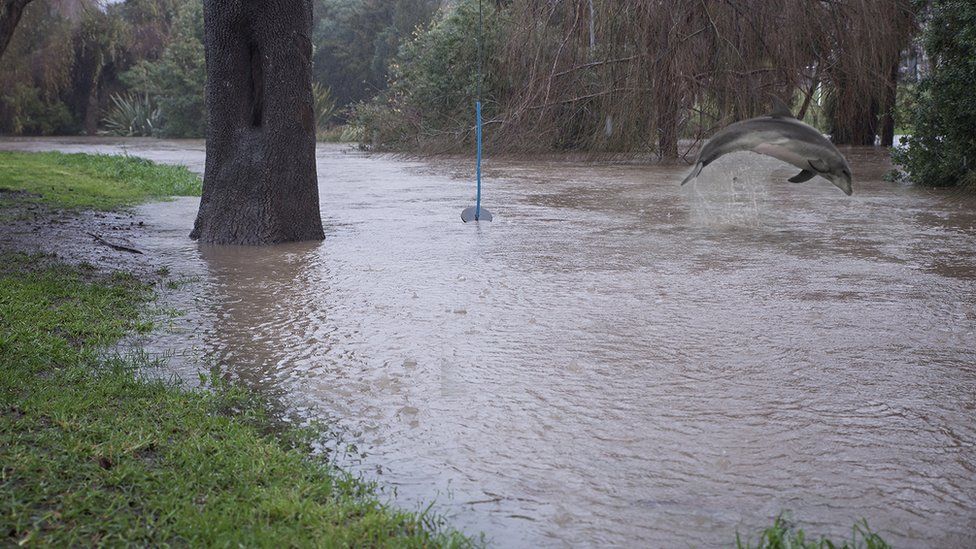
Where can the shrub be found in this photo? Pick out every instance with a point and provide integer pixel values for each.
(434, 82)
(24, 110)
(942, 148)
(131, 116)
(324, 105)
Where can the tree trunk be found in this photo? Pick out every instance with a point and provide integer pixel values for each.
(854, 118)
(10, 13)
(891, 98)
(667, 127)
(665, 94)
(259, 185)
(91, 106)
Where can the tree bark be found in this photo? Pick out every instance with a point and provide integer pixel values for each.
(91, 107)
(854, 117)
(260, 185)
(891, 98)
(10, 13)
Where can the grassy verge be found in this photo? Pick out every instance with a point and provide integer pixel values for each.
(97, 182)
(783, 534)
(92, 454)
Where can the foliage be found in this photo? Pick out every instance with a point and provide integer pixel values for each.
(324, 105)
(93, 181)
(35, 74)
(638, 76)
(905, 107)
(95, 455)
(28, 113)
(783, 534)
(176, 81)
(355, 41)
(348, 133)
(131, 116)
(434, 82)
(942, 148)
(69, 59)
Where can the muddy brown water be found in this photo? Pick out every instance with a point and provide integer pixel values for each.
(616, 359)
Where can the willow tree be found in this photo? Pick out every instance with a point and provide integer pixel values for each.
(606, 76)
(260, 185)
(862, 52)
(10, 13)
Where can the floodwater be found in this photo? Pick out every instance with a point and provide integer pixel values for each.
(615, 359)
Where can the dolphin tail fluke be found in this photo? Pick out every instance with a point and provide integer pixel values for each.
(694, 172)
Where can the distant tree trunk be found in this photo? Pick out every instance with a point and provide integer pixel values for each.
(10, 12)
(592, 28)
(667, 127)
(260, 185)
(91, 106)
(666, 90)
(853, 117)
(808, 96)
(891, 98)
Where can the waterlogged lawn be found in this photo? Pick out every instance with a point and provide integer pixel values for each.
(93, 454)
(92, 181)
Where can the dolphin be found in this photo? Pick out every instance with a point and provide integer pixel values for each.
(783, 137)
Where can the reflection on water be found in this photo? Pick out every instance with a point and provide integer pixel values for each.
(616, 359)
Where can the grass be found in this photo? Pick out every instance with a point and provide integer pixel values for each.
(93, 454)
(783, 534)
(95, 182)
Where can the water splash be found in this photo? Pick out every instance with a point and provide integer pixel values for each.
(730, 192)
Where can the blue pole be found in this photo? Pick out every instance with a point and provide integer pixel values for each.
(477, 204)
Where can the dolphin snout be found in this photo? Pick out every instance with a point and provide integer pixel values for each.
(843, 182)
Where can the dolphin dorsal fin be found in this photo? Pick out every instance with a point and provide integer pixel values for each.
(780, 110)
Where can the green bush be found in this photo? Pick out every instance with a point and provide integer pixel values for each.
(25, 111)
(324, 105)
(131, 116)
(942, 148)
(434, 81)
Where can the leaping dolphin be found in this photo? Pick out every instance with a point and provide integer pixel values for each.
(783, 137)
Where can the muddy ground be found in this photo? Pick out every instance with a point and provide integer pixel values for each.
(107, 240)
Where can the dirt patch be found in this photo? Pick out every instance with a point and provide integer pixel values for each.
(103, 240)
(15, 194)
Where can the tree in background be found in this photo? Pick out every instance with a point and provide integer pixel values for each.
(100, 43)
(35, 73)
(639, 76)
(356, 40)
(942, 148)
(10, 13)
(434, 83)
(862, 53)
(175, 81)
(63, 65)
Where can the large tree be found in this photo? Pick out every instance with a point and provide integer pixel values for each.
(259, 183)
(10, 13)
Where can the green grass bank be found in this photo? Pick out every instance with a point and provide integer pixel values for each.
(93, 182)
